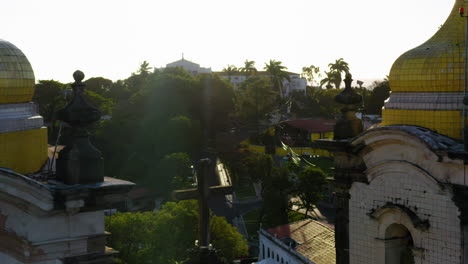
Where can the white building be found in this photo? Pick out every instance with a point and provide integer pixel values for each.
(303, 242)
(296, 84)
(189, 66)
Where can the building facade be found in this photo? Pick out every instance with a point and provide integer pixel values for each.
(402, 187)
(192, 67)
(47, 218)
(296, 83)
(302, 242)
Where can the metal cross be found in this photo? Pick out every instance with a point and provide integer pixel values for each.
(202, 193)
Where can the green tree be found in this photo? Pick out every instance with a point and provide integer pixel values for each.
(99, 85)
(255, 99)
(173, 172)
(132, 236)
(276, 196)
(338, 67)
(332, 77)
(104, 104)
(217, 101)
(230, 70)
(310, 187)
(312, 74)
(144, 69)
(276, 188)
(50, 96)
(277, 75)
(164, 237)
(249, 68)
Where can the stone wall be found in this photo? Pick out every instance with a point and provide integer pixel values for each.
(402, 193)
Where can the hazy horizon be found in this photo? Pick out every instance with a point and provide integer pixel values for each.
(112, 38)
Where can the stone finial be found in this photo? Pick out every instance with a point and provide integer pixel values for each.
(348, 125)
(78, 76)
(79, 162)
(79, 112)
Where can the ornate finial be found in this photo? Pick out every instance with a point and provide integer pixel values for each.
(348, 80)
(78, 76)
(348, 125)
(79, 162)
(348, 96)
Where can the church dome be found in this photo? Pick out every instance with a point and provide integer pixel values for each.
(427, 82)
(23, 137)
(16, 75)
(437, 64)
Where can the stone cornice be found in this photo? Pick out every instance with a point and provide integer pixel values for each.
(51, 197)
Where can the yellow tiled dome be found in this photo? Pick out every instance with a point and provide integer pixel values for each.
(436, 65)
(427, 82)
(23, 138)
(16, 75)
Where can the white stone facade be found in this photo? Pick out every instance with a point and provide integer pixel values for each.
(48, 223)
(408, 184)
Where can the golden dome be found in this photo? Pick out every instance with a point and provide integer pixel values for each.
(427, 82)
(16, 75)
(23, 138)
(436, 65)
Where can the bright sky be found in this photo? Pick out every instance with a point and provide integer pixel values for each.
(111, 38)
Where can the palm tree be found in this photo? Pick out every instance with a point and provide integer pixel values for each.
(230, 70)
(249, 68)
(144, 69)
(277, 75)
(339, 67)
(333, 77)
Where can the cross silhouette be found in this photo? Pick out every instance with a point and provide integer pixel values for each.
(202, 193)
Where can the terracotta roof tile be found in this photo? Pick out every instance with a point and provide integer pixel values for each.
(316, 240)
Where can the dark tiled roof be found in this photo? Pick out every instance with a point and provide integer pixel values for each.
(313, 125)
(315, 240)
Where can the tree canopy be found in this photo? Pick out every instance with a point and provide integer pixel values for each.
(165, 236)
(336, 69)
(249, 68)
(277, 75)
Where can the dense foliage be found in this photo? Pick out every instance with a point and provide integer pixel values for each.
(156, 125)
(165, 236)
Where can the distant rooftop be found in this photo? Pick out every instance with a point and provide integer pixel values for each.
(312, 239)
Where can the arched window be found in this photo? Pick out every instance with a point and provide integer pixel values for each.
(282, 260)
(263, 251)
(277, 257)
(268, 252)
(398, 245)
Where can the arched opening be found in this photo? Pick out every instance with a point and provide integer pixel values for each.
(398, 245)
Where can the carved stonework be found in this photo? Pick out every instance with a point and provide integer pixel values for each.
(348, 126)
(79, 162)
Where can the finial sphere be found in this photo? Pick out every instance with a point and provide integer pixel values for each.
(78, 76)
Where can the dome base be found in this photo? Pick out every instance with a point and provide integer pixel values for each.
(24, 151)
(448, 123)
